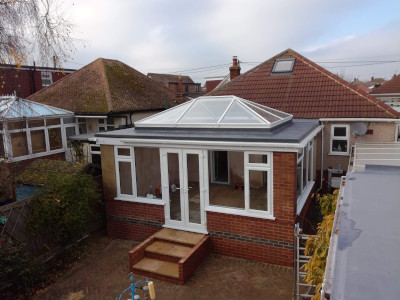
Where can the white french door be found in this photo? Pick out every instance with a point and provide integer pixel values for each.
(182, 175)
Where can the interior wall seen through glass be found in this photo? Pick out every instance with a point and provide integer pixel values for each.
(258, 185)
(148, 175)
(232, 194)
(38, 141)
(125, 177)
(174, 187)
(55, 138)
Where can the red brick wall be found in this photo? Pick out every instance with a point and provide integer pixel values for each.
(132, 220)
(24, 82)
(263, 240)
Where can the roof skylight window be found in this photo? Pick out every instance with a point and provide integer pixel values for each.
(283, 66)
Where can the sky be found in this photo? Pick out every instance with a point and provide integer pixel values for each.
(356, 39)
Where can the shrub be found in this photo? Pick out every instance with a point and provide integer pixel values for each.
(63, 210)
(18, 270)
(317, 247)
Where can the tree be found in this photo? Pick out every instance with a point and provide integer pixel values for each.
(34, 30)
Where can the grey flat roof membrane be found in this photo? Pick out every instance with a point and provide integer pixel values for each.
(367, 264)
(293, 131)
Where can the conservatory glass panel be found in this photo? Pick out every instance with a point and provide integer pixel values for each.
(206, 111)
(167, 117)
(238, 114)
(38, 141)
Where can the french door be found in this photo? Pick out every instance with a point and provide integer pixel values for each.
(182, 175)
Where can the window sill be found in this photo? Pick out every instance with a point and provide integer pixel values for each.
(339, 153)
(303, 198)
(239, 212)
(140, 200)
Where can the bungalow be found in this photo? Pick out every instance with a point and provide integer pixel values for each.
(105, 95)
(292, 83)
(222, 166)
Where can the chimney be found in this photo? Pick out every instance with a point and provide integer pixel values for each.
(372, 78)
(235, 69)
(180, 85)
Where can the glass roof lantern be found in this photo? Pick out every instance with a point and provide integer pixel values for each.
(217, 112)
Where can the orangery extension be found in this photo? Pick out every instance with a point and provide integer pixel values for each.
(234, 171)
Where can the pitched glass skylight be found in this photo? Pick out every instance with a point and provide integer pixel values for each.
(215, 112)
(13, 107)
(283, 66)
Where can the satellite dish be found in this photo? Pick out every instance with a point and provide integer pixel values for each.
(359, 128)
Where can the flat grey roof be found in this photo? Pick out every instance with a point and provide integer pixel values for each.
(367, 264)
(291, 132)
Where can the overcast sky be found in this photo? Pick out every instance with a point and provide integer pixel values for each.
(165, 36)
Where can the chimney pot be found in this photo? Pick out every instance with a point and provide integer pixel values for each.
(235, 69)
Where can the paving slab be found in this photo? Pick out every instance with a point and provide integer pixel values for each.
(158, 267)
(169, 249)
(179, 236)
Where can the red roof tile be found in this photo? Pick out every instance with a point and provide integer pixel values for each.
(390, 87)
(105, 86)
(309, 91)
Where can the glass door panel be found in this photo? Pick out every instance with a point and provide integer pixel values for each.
(174, 187)
(193, 188)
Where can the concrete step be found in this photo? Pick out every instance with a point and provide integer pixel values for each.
(179, 236)
(168, 249)
(157, 266)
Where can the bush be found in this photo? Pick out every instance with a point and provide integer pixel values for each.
(18, 270)
(63, 210)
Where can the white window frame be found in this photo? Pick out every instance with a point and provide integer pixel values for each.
(103, 126)
(397, 133)
(268, 167)
(340, 138)
(46, 75)
(80, 122)
(134, 197)
(93, 151)
(307, 151)
(7, 136)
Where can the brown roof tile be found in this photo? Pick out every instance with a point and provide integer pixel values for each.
(390, 87)
(105, 86)
(162, 78)
(309, 91)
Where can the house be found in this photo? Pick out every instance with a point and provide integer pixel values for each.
(222, 166)
(370, 85)
(212, 82)
(105, 95)
(24, 81)
(363, 260)
(183, 86)
(291, 83)
(389, 93)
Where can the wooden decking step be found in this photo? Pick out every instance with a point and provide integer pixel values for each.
(158, 267)
(179, 236)
(169, 249)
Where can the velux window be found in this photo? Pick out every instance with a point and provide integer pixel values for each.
(283, 66)
(340, 139)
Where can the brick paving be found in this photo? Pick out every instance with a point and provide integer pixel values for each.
(105, 274)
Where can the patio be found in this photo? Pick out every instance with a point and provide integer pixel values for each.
(105, 274)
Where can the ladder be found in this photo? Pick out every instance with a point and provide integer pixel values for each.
(302, 289)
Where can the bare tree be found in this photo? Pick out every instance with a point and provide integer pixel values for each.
(34, 30)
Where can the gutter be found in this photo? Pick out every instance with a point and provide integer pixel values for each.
(358, 120)
(322, 160)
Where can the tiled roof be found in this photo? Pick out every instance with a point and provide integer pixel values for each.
(309, 91)
(105, 86)
(162, 78)
(390, 87)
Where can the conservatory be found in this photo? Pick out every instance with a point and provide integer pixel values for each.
(29, 129)
(205, 160)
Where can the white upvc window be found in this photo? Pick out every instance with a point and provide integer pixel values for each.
(35, 137)
(82, 125)
(47, 78)
(340, 136)
(130, 187)
(397, 135)
(106, 124)
(305, 173)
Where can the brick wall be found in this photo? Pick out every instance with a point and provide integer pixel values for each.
(263, 240)
(132, 220)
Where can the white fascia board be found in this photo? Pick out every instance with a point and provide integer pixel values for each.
(358, 120)
(91, 117)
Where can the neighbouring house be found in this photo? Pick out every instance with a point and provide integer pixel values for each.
(291, 83)
(182, 86)
(363, 260)
(389, 93)
(368, 85)
(222, 166)
(104, 95)
(212, 82)
(29, 130)
(24, 81)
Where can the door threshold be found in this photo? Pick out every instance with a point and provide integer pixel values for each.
(196, 230)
